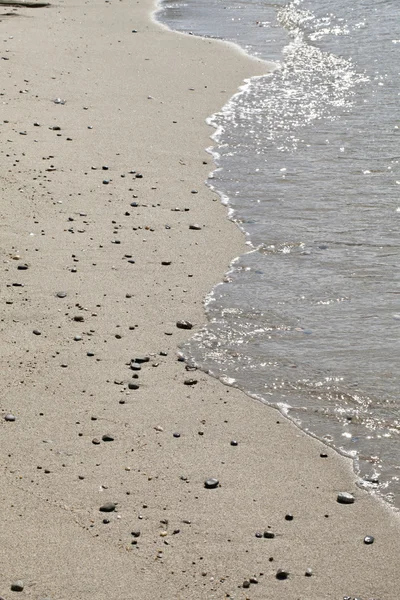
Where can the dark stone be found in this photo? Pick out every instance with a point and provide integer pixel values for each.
(195, 227)
(269, 535)
(78, 318)
(17, 586)
(23, 267)
(177, 435)
(37, 332)
(142, 359)
(246, 584)
(184, 325)
(282, 574)
(190, 381)
(211, 483)
(95, 441)
(253, 580)
(133, 386)
(136, 533)
(289, 517)
(61, 294)
(234, 443)
(369, 539)
(108, 507)
(107, 437)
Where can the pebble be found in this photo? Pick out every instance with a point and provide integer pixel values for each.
(184, 325)
(234, 443)
(269, 535)
(61, 294)
(308, 573)
(17, 586)
(282, 574)
(369, 539)
(345, 498)
(133, 386)
(78, 318)
(195, 227)
(9, 417)
(177, 435)
(95, 441)
(108, 507)
(211, 483)
(107, 437)
(141, 359)
(190, 381)
(246, 584)
(289, 517)
(253, 580)
(37, 332)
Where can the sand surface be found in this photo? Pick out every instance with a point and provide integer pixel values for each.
(136, 102)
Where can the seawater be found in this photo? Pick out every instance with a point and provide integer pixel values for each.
(307, 160)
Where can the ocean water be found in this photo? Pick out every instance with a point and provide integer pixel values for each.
(308, 161)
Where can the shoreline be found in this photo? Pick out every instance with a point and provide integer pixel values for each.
(122, 248)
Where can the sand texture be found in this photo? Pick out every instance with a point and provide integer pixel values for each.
(98, 266)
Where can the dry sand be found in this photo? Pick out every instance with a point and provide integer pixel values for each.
(138, 102)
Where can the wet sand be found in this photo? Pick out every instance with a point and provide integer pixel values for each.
(100, 261)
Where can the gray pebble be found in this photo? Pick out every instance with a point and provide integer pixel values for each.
(246, 584)
(9, 417)
(369, 539)
(17, 586)
(107, 437)
(195, 227)
(36, 332)
(282, 574)
(308, 573)
(61, 294)
(211, 483)
(269, 535)
(133, 386)
(190, 381)
(108, 507)
(184, 325)
(345, 498)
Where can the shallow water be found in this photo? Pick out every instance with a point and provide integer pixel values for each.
(308, 162)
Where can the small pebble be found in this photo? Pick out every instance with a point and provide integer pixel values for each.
(36, 332)
(17, 586)
(369, 539)
(177, 435)
(190, 381)
(108, 507)
(234, 443)
(269, 535)
(95, 441)
(107, 437)
(211, 483)
(253, 580)
(195, 227)
(9, 417)
(308, 573)
(246, 584)
(61, 294)
(345, 498)
(282, 574)
(289, 517)
(184, 325)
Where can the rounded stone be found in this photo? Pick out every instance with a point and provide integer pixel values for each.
(282, 574)
(211, 483)
(108, 507)
(61, 294)
(133, 386)
(107, 437)
(234, 443)
(369, 539)
(269, 535)
(289, 517)
(9, 417)
(184, 324)
(17, 586)
(308, 573)
(345, 498)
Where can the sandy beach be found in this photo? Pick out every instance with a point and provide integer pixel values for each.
(109, 242)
